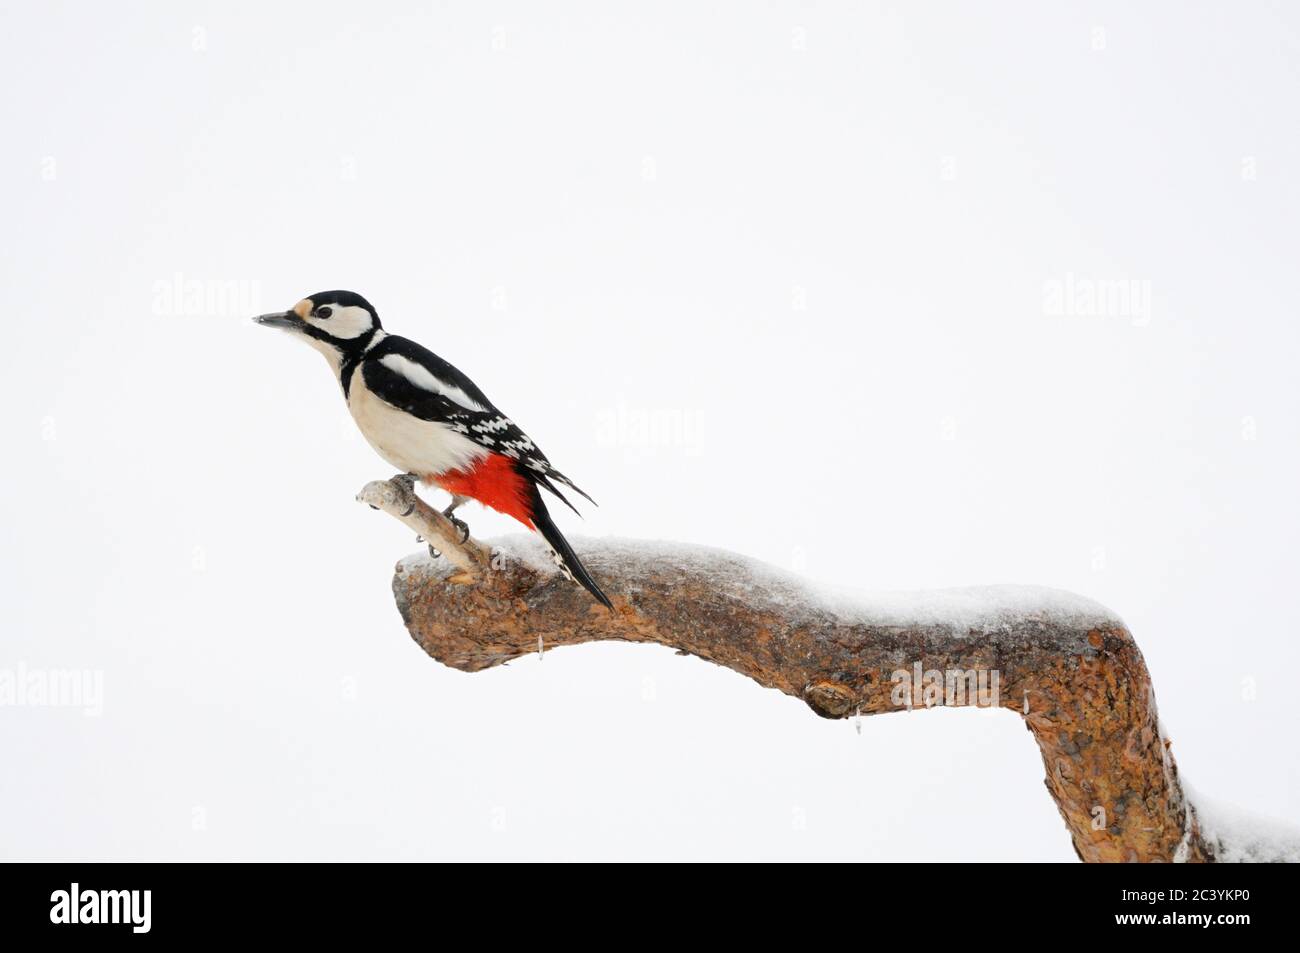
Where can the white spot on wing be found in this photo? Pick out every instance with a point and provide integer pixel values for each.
(493, 425)
(423, 378)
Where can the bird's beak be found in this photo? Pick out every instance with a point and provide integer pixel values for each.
(288, 320)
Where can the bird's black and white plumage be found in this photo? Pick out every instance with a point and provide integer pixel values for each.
(429, 419)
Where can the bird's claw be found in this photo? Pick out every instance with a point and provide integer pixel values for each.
(462, 526)
(459, 524)
(405, 482)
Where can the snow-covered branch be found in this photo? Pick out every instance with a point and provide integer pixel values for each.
(1065, 664)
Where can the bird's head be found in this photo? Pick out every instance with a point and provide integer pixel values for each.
(334, 322)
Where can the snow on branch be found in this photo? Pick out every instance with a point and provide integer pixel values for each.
(1065, 664)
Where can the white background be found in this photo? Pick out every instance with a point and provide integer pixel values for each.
(775, 279)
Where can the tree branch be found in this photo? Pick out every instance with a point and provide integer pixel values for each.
(1066, 665)
(399, 501)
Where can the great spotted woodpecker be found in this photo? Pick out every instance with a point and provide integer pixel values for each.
(430, 421)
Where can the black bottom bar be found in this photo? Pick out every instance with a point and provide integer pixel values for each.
(334, 902)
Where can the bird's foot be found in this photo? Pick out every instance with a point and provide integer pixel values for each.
(405, 482)
(460, 524)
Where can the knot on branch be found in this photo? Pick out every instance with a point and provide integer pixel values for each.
(829, 699)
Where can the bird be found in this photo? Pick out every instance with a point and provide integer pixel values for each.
(428, 419)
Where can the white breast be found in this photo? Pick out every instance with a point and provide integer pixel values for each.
(412, 445)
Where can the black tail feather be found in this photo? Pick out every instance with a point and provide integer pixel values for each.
(557, 475)
(546, 526)
(543, 481)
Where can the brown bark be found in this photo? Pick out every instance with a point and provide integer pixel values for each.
(1070, 669)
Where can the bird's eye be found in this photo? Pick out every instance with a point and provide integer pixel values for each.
(324, 312)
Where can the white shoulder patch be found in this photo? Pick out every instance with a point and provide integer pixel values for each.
(423, 378)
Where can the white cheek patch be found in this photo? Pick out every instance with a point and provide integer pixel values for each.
(344, 323)
(424, 379)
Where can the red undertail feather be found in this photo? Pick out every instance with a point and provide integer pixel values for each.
(496, 482)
